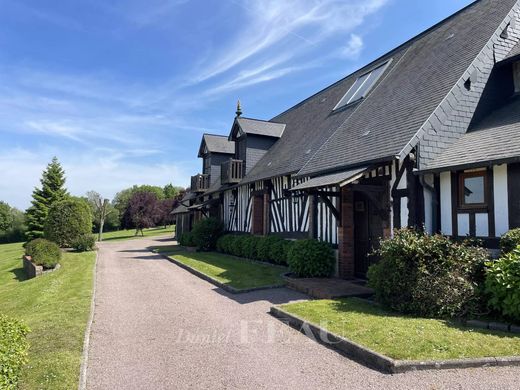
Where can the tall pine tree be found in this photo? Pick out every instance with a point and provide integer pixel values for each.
(52, 190)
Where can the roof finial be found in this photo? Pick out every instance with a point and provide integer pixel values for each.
(239, 109)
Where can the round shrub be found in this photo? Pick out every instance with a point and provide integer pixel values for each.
(67, 221)
(249, 247)
(43, 252)
(510, 241)
(186, 239)
(503, 285)
(84, 243)
(311, 259)
(428, 275)
(206, 233)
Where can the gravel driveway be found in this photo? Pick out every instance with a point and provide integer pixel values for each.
(157, 326)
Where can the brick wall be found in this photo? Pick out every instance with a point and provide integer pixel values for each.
(346, 235)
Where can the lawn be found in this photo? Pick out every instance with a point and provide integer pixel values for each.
(234, 272)
(130, 234)
(401, 337)
(56, 308)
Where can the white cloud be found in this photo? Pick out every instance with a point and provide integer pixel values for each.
(353, 47)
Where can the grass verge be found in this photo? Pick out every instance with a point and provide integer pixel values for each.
(130, 234)
(56, 309)
(233, 272)
(403, 337)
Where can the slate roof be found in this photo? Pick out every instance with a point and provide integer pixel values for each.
(422, 72)
(217, 144)
(515, 52)
(329, 180)
(259, 127)
(495, 139)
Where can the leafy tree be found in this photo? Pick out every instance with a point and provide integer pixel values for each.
(172, 192)
(101, 209)
(6, 217)
(166, 206)
(143, 211)
(122, 198)
(67, 221)
(52, 190)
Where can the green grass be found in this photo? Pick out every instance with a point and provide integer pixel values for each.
(130, 234)
(402, 337)
(234, 272)
(56, 308)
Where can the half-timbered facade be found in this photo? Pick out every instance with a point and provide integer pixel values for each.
(427, 136)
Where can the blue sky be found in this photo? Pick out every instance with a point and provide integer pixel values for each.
(121, 91)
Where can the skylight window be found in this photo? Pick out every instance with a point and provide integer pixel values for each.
(362, 86)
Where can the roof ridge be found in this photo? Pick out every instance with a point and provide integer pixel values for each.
(397, 48)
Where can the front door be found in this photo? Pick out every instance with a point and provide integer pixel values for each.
(368, 229)
(258, 215)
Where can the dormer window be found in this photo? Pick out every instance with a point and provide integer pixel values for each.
(362, 86)
(516, 76)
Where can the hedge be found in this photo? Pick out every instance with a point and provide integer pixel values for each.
(13, 351)
(311, 259)
(510, 241)
(206, 232)
(186, 239)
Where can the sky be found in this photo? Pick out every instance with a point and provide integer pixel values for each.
(121, 91)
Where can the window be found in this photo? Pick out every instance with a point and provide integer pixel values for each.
(362, 86)
(516, 76)
(473, 189)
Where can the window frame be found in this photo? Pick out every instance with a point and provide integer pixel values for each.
(461, 196)
(384, 64)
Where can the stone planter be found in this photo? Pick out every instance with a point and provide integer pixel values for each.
(32, 270)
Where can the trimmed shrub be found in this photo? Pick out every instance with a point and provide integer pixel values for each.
(503, 285)
(279, 251)
(186, 239)
(43, 252)
(265, 245)
(250, 247)
(13, 351)
(206, 233)
(84, 243)
(428, 275)
(67, 221)
(510, 241)
(311, 258)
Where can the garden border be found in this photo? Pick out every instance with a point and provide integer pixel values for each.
(378, 361)
(215, 282)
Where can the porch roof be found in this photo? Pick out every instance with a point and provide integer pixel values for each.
(340, 178)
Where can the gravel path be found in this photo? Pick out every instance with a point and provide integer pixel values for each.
(157, 326)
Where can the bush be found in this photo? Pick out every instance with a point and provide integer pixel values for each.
(279, 251)
(264, 247)
(311, 258)
(186, 239)
(67, 221)
(13, 351)
(84, 243)
(43, 252)
(510, 241)
(206, 233)
(503, 285)
(250, 247)
(428, 275)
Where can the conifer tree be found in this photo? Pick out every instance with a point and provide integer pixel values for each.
(52, 190)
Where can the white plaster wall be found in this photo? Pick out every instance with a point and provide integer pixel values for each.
(501, 199)
(463, 225)
(404, 212)
(446, 222)
(482, 225)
